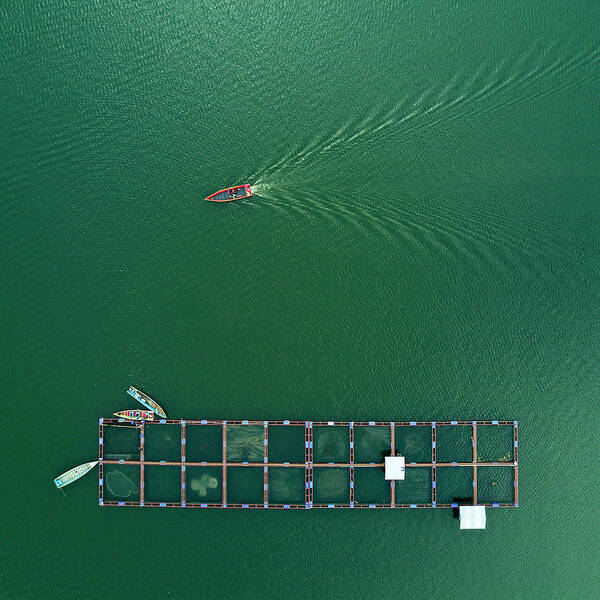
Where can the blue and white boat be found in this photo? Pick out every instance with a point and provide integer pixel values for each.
(147, 401)
(74, 474)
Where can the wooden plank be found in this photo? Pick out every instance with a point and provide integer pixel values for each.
(516, 461)
(224, 463)
(142, 462)
(393, 449)
(351, 435)
(183, 470)
(474, 462)
(332, 465)
(100, 461)
(311, 456)
(266, 464)
(433, 471)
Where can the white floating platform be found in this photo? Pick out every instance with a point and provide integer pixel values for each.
(395, 468)
(472, 517)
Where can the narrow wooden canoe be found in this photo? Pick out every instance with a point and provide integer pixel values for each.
(147, 402)
(135, 415)
(237, 192)
(74, 474)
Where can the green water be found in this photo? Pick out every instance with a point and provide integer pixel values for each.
(423, 243)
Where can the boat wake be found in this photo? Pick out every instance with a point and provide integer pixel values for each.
(488, 89)
(302, 182)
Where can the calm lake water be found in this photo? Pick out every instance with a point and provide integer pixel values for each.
(423, 244)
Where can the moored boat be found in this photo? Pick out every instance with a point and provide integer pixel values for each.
(135, 415)
(147, 401)
(74, 474)
(237, 192)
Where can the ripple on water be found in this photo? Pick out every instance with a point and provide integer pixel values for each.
(300, 183)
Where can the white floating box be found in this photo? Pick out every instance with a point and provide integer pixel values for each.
(395, 468)
(472, 517)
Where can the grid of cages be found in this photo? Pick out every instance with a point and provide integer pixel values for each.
(306, 464)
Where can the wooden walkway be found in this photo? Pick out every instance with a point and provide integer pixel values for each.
(308, 465)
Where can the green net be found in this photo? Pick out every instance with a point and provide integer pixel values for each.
(414, 443)
(370, 486)
(121, 483)
(245, 443)
(331, 485)
(286, 485)
(371, 444)
(245, 485)
(204, 484)
(453, 483)
(121, 442)
(162, 483)
(415, 488)
(495, 443)
(204, 443)
(454, 443)
(286, 443)
(495, 484)
(162, 442)
(331, 444)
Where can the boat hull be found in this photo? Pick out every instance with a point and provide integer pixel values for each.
(135, 415)
(237, 192)
(74, 474)
(146, 401)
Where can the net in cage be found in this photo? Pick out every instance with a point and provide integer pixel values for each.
(370, 486)
(245, 485)
(162, 483)
(204, 443)
(331, 485)
(495, 484)
(453, 484)
(204, 485)
(331, 444)
(416, 487)
(162, 442)
(121, 442)
(121, 483)
(454, 443)
(495, 443)
(413, 442)
(245, 443)
(286, 485)
(286, 443)
(371, 443)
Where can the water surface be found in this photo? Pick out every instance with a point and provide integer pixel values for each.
(423, 244)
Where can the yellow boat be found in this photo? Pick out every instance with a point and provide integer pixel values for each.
(135, 415)
(147, 401)
(74, 474)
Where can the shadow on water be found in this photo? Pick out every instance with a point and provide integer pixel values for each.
(461, 502)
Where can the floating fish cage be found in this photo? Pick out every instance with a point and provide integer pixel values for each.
(307, 464)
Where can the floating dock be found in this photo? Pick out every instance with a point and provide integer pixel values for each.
(307, 464)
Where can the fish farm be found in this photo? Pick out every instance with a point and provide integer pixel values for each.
(308, 464)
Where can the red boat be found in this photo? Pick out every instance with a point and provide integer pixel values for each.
(237, 192)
